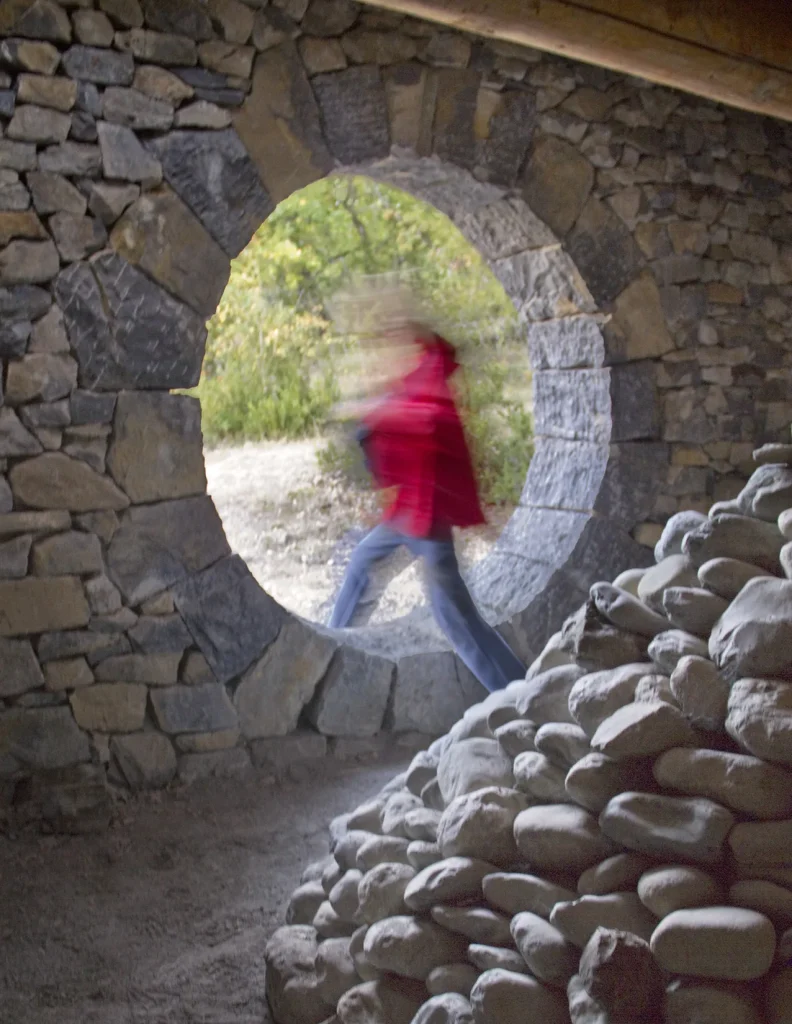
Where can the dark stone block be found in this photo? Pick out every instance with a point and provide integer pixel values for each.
(126, 331)
(354, 113)
(510, 135)
(635, 475)
(329, 17)
(202, 78)
(73, 643)
(24, 302)
(634, 402)
(352, 698)
(180, 709)
(427, 695)
(604, 251)
(88, 99)
(614, 404)
(222, 97)
(98, 65)
(571, 343)
(7, 102)
(214, 175)
(181, 17)
(230, 617)
(83, 127)
(160, 634)
(14, 336)
(157, 545)
(88, 407)
(454, 137)
(542, 535)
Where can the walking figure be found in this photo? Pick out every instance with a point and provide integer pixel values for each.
(414, 443)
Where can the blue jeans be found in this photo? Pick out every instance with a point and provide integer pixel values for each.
(477, 644)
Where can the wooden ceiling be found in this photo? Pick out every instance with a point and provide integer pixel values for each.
(737, 52)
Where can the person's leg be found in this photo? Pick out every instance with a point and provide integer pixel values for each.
(479, 646)
(378, 544)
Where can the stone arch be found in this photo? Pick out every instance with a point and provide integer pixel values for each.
(160, 140)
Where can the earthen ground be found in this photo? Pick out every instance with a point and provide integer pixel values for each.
(163, 919)
(292, 524)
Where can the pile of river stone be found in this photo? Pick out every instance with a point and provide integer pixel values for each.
(607, 840)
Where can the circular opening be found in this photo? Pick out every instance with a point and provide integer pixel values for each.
(284, 348)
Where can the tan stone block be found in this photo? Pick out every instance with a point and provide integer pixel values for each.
(557, 183)
(226, 58)
(321, 55)
(67, 674)
(638, 328)
(203, 742)
(235, 19)
(22, 224)
(110, 707)
(725, 294)
(160, 234)
(279, 124)
(683, 456)
(42, 605)
(161, 84)
(406, 93)
(55, 481)
(157, 449)
(689, 236)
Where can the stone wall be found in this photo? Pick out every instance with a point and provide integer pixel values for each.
(644, 236)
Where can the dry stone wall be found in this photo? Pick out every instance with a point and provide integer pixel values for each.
(643, 235)
(605, 841)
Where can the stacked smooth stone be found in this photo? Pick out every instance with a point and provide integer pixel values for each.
(608, 840)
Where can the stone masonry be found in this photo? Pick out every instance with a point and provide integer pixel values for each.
(644, 235)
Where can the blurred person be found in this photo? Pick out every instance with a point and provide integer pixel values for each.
(415, 448)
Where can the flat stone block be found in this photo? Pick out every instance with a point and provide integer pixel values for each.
(230, 617)
(157, 545)
(110, 707)
(273, 692)
(203, 708)
(603, 405)
(282, 105)
(19, 669)
(39, 605)
(570, 343)
(213, 174)
(281, 754)
(427, 695)
(157, 449)
(125, 330)
(159, 234)
(215, 764)
(40, 739)
(354, 113)
(352, 698)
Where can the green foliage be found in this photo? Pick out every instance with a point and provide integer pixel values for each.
(276, 361)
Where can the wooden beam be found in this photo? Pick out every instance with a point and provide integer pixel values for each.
(581, 33)
(759, 31)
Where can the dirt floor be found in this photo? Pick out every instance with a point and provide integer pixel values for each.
(295, 528)
(163, 919)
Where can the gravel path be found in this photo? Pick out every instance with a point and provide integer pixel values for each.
(295, 528)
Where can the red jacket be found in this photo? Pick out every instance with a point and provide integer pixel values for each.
(416, 443)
